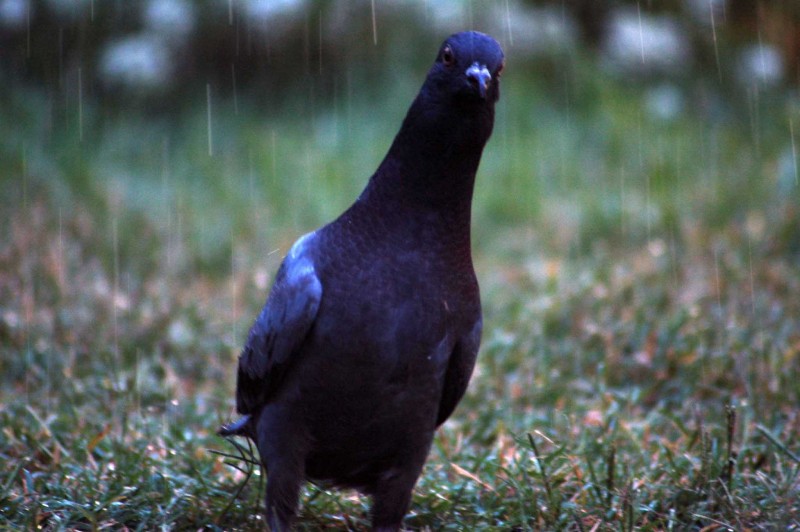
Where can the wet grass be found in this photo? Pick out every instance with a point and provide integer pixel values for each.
(641, 298)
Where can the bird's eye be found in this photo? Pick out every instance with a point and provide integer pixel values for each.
(500, 69)
(448, 58)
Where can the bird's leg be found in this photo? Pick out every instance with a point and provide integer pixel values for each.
(391, 499)
(283, 489)
(282, 448)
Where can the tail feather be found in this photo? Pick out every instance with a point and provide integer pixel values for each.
(240, 427)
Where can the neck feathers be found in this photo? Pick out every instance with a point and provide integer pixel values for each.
(435, 155)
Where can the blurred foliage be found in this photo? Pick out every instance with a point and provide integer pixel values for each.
(318, 47)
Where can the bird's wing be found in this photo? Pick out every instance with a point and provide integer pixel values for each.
(459, 371)
(280, 329)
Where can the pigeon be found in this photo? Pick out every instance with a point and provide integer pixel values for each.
(370, 333)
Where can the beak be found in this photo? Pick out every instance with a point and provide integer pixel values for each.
(480, 76)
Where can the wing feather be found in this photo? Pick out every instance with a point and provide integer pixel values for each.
(280, 329)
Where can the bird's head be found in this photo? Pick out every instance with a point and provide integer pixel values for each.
(468, 67)
(437, 151)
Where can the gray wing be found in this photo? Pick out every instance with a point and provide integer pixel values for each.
(459, 371)
(280, 329)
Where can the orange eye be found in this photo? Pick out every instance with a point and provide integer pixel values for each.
(500, 69)
(448, 58)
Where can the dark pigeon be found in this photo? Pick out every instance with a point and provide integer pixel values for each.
(370, 333)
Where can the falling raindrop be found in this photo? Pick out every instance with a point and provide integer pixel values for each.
(714, 37)
(756, 319)
(60, 58)
(28, 31)
(374, 24)
(644, 171)
(208, 108)
(273, 159)
(716, 280)
(115, 292)
(80, 104)
(137, 385)
(235, 96)
(673, 253)
(24, 177)
(60, 261)
(508, 24)
(234, 335)
(251, 175)
(61, 274)
(794, 151)
(622, 199)
(753, 100)
(641, 33)
(750, 271)
(319, 39)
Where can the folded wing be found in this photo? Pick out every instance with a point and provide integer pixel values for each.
(280, 329)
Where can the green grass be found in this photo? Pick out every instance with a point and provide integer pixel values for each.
(641, 298)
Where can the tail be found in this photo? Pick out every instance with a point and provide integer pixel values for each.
(240, 427)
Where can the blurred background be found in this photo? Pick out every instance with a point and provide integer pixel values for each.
(636, 232)
(253, 115)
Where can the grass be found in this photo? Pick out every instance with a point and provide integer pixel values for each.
(641, 298)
